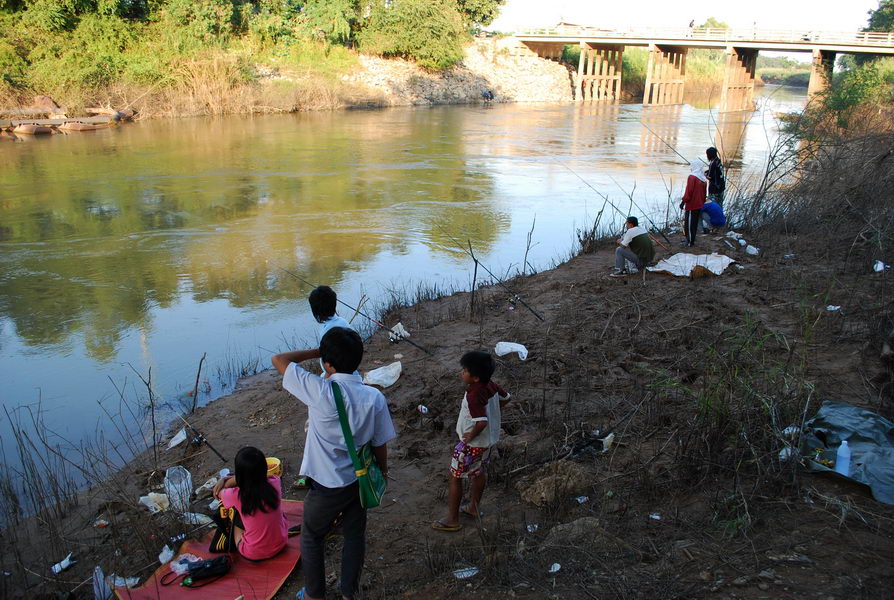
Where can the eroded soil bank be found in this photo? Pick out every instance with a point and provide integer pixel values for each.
(695, 377)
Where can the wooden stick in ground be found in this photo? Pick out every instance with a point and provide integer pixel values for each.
(474, 283)
(195, 390)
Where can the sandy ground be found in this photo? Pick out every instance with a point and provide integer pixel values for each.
(680, 507)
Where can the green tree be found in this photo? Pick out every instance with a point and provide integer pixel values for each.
(882, 18)
(480, 12)
(206, 20)
(714, 24)
(431, 32)
(331, 19)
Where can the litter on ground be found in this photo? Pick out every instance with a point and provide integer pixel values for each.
(554, 568)
(383, 376)
(749, 249)
(465, 573)
(178, 439)
(63, 564)
(879, 266)
(398, 333)
(684, 264)
(833, 308)
(165, 555)
(504, 348)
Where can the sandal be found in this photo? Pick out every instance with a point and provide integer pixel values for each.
(440, 525)
(464, 509)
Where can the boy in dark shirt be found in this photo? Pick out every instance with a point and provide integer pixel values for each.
(716, 179)
(478, 428)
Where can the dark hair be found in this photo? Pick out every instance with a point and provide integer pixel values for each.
(322, 302)
(479, 364)
(342, 348)
(255, 492)
(711, 153)
(633, 221)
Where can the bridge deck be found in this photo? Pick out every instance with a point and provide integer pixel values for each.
(792, 40)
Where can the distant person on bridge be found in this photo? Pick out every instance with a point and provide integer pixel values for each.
(716, 179)
(691, 27)
(693, 200)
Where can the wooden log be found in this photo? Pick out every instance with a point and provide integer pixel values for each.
(57, 122)
(31, 129)
(119, 115)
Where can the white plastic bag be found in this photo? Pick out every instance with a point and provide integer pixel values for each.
(155, 501)
(383, 376)
(177, 439)
(398, 332)
(178, 487)
(749, 249)
(165, 555)
(504, 348)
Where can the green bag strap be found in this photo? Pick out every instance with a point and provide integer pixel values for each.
(359, 469)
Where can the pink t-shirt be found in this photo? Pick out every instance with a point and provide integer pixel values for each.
(265, 532)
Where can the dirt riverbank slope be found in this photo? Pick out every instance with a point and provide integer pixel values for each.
(695, 377)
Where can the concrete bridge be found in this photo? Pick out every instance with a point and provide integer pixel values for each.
(598, 76)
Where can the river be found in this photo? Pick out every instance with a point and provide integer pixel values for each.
(138, 249)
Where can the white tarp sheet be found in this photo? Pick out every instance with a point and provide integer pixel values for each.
(686, 265)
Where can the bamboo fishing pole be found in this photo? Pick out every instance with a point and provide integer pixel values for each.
(397, 336)
(515, 297)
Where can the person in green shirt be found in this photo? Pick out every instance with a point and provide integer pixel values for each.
(635, 246)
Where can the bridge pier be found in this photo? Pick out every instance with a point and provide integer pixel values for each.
(820, 72)
(599, 74)
(665, 75)
(737, 92)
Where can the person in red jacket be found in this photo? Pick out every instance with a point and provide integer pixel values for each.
(693, 200)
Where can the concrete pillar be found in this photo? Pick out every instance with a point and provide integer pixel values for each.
(603, 78)
(737, 92)
(665, 75)
(820, 72)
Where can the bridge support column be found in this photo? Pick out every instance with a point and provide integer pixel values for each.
(738, 80)
(599, 74)
(665, 75)
(820, 72)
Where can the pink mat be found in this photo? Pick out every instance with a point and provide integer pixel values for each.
(253, 581)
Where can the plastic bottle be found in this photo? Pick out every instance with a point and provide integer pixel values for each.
(843, 459)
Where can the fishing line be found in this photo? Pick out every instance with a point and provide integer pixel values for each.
(489, 272)
(397, 336)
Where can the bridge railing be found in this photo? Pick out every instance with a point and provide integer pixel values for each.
(804, 36)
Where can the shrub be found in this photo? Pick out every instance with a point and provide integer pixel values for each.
(12, 66)
(205, 20)
(331, 19)
(429, 31)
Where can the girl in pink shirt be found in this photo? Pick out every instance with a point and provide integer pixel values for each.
(256, 497)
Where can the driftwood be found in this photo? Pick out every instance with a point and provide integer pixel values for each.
(119, 115)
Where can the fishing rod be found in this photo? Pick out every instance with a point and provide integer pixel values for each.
(396, 336)
(674, 150)
(642, 212)
(610, 203)
(515, 297)
(199, 439)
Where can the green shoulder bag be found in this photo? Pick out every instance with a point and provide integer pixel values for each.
(369, 475)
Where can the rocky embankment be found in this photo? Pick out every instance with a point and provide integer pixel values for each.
(512, 72)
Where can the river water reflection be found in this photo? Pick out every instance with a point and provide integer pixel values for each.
(150, 244)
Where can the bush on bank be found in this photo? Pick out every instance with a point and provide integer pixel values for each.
(84, 51)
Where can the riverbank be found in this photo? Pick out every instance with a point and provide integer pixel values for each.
(695, 377)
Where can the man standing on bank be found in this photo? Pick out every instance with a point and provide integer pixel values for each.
(326, 464)
(635, 246)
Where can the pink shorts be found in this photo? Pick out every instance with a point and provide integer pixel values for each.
(468, 461)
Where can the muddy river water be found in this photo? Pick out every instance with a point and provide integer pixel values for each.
(137, 250)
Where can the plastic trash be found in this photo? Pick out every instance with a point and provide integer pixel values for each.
(383, 376)
(742, 242)
(423, 409)
(465, 573)
(225, 472)
(733, 235)
(655, 516)
(554, 568)
(101, 589)
(833, 308)
(728, 243)
(843, 459)
(503, 348)
(398, 332)
(178, 487)
(128, 582)
(181, 565)
(789, 255)
(879, 266)
(100, 523)
(192, 518)
(749, 249)
(785, 454)
(791, 431)
(63, 564)
(178, 439)
(206, 488)
(607, 442)
(398, 356)
(215, 504)
(165, 555)
(533, 527)
(582, 499)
